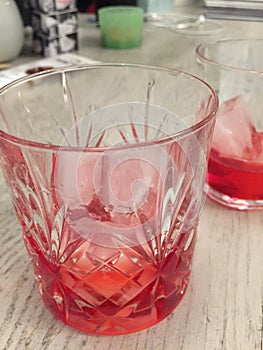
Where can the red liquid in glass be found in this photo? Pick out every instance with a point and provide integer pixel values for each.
(235, 168)
(126, 291)
(97, 289)
(236, 178)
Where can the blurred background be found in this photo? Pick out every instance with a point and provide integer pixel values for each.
(87, 6)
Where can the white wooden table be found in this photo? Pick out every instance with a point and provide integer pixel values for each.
(223, 307)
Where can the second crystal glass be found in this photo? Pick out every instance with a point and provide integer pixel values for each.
(234, 68)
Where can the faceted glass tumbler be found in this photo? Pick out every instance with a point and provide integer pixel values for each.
(235, 168)
(106, 166)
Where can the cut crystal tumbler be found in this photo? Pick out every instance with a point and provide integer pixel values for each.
(106, 166)
(235, 168)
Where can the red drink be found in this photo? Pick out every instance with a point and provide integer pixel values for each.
(126, 291)
(108, 190)
(235, 168)
(235, 178)
(102, 289)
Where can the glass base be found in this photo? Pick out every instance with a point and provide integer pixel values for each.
(115, 326)
(118, 291)
(233, 202)
(91, 321)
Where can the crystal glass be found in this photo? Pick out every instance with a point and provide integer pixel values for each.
(234, 68)
(106, 166)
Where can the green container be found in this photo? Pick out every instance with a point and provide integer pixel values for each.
(121, 26)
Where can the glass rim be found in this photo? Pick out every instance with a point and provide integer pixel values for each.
(214, 103)
(203, 58)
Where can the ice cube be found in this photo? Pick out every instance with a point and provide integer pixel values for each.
(106, 182)
(234, 131)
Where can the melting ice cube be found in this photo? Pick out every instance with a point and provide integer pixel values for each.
(234, 132)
